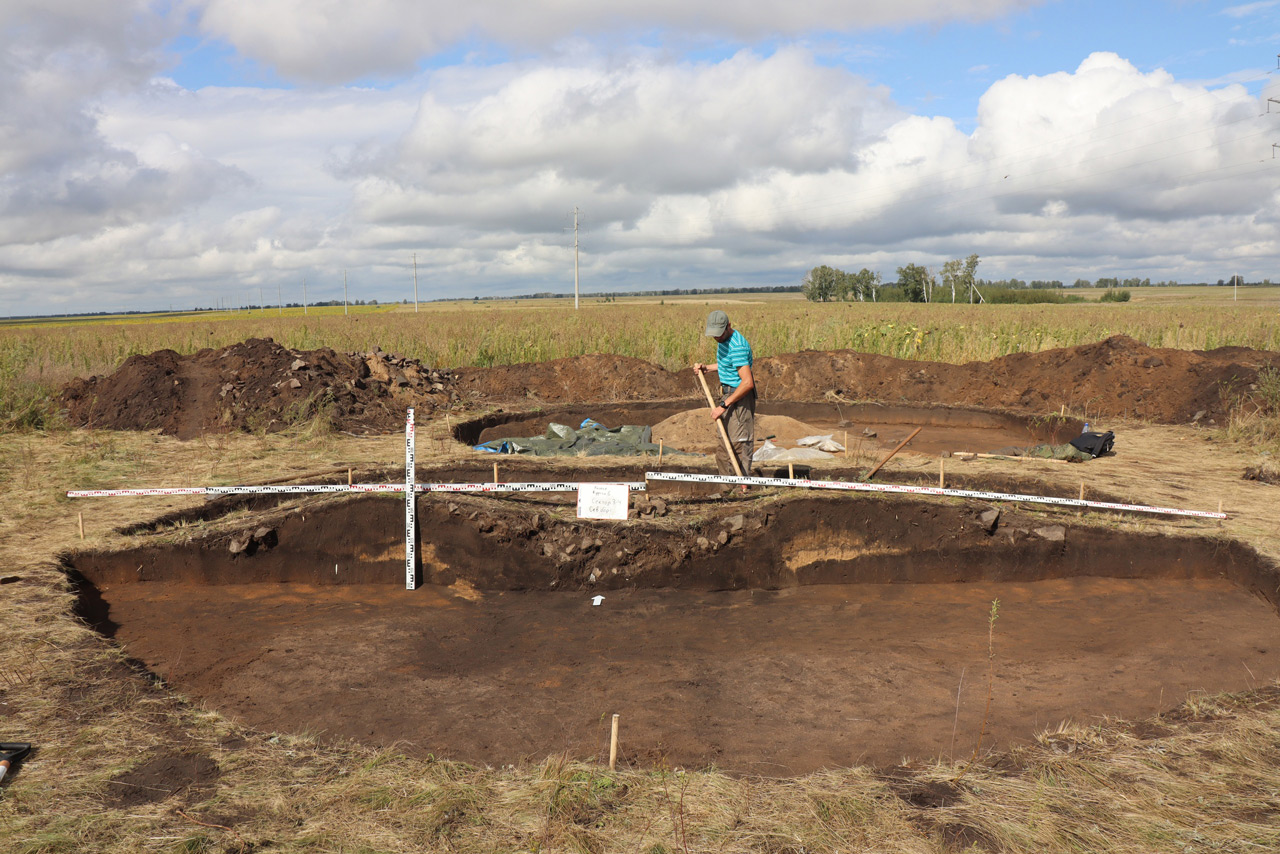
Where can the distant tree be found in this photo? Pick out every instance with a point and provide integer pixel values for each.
(821, 283)
(951, 272)
(1083, 283)
(969, 275)
(914, 281)
(860, 285)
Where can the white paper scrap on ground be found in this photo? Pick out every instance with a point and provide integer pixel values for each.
(603, 501)
(597, 599)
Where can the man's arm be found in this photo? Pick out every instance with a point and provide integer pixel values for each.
(747, 382)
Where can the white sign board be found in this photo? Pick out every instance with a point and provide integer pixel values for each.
(603, 501)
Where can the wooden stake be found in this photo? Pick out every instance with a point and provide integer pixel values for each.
(968, 455)
(80, 516)
(942, 472)
(791, 470)
(1219, 510)
(613, 744)
(659, 452)
(1082, 490)
(846, 444)
(348, 477)
(1062, 413)
(495, 472)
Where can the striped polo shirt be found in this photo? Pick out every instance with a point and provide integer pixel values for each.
(730, 356)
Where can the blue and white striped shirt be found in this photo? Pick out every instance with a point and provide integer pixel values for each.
(730, 356)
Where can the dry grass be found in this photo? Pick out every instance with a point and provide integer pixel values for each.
(1199, 780)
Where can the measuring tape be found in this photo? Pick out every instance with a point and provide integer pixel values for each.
(925, 490)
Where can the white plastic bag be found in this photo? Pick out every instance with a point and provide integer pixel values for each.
(822, 443)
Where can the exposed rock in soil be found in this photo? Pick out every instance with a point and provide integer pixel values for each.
(258, 385)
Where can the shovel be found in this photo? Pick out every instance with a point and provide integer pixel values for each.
(11, 752)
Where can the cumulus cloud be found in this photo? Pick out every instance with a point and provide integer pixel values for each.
(748, 169)
(334, 40)
(58, 175)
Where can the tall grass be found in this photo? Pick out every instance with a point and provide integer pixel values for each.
(36, 361)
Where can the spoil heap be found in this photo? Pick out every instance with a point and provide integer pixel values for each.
(258, 385)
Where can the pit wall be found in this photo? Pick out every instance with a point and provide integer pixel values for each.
(1056, 430)
(716, 545)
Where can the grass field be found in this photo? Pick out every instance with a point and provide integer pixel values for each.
(1198, 777)
(35, 359)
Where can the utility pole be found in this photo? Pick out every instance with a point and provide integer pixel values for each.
(415, 283)
(575, 257)
(344, 293)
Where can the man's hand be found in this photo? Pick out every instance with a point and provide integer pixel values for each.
(718, 412)
(699, 368)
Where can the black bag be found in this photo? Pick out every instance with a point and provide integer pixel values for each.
(1094, 444)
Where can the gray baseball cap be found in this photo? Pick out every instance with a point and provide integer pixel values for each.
(717, 323)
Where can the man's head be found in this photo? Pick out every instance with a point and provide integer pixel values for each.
(717, 324)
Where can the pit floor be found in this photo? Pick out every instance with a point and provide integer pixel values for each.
(771, 683)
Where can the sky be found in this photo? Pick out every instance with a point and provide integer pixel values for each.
(184, 153)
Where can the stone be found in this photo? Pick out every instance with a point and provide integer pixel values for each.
(548, 550)
(735, 523)
(295, 383)
(298, 365)
(723, 538)
(703, 543)
(1052, 533)
(239, 543)
(659, 506)
(989, 519)
(869, 433)
(266, 537)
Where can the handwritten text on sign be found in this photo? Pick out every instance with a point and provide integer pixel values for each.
(603, 501)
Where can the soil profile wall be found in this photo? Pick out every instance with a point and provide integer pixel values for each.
(714, 545)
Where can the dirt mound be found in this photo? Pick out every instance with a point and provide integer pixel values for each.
(1118, 377)
(693, 430)
(257, 385)
(595, 378)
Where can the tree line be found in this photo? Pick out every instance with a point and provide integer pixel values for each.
(956, 281)
(915, 283)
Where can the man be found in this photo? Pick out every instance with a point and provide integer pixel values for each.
(737, 405)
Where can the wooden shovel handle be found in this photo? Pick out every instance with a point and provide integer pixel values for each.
(889, 456)
(724, 434)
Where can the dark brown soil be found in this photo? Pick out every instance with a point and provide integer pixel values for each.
(251, 386)
(868, 429)
(160, 778)
(773, 639)
(257, 385)
(1118, 377)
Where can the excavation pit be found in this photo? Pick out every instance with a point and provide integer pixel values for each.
(771, 637)
(867, 427)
